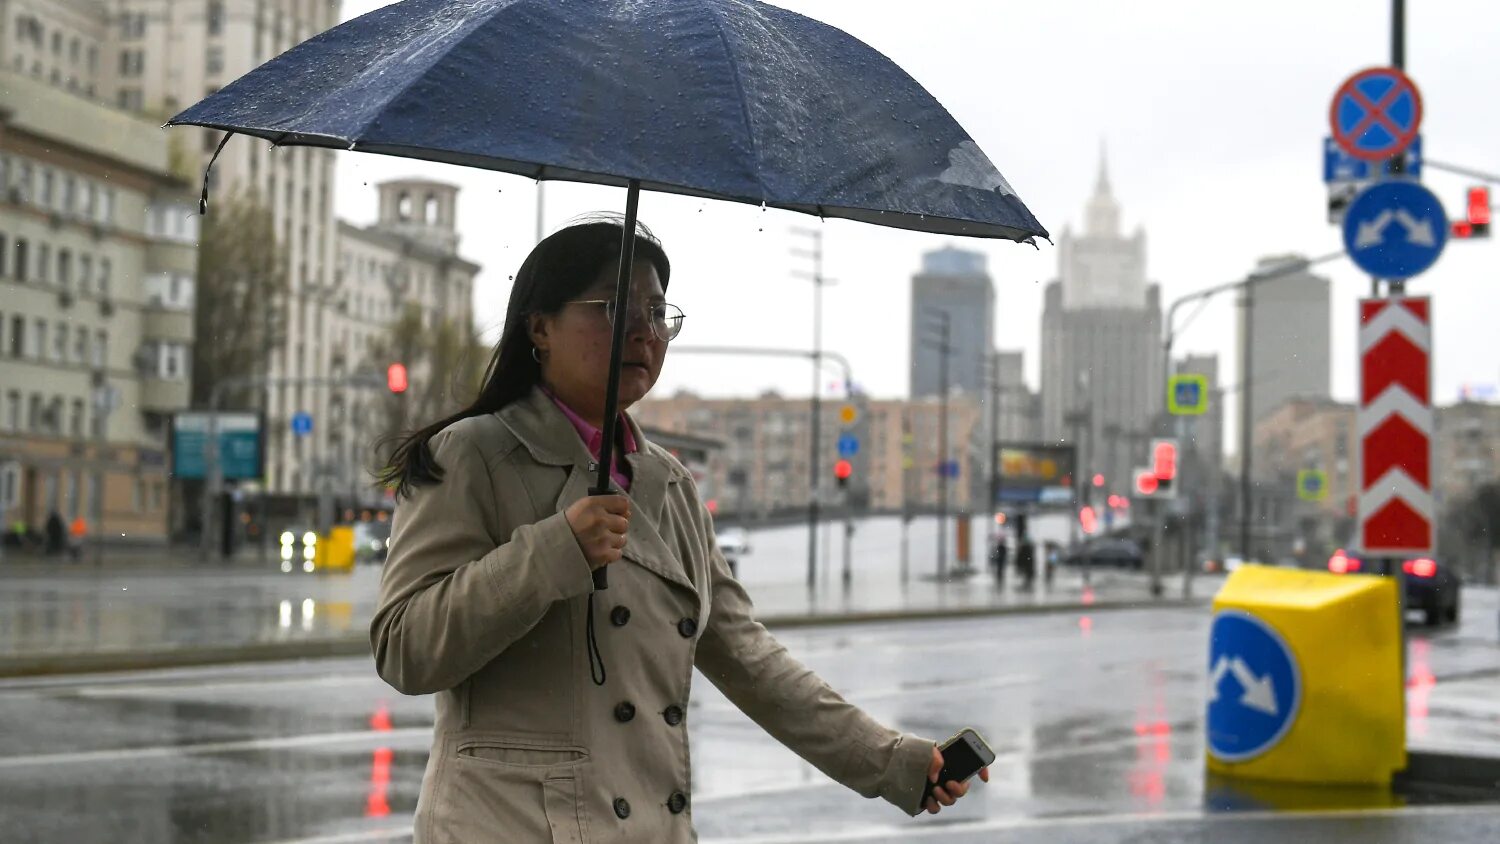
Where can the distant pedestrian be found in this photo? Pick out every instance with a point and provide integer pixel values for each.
(57, 534)
(487, 599)
(77, 533)
(998, 557)
(1026, 562)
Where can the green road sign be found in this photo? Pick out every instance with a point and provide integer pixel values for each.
(1187, 395)
(1312, 484)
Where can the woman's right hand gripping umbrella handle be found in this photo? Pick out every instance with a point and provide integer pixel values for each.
(600, 523)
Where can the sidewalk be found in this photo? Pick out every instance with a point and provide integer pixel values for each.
(74, 618)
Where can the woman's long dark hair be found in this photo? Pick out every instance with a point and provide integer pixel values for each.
(558, 270)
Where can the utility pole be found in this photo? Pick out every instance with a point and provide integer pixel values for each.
(992, 530)
(1246, 347)
(814, 475)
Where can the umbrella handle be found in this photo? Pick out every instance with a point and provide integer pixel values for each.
(616, 350)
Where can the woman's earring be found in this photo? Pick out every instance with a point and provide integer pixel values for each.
(535, 355)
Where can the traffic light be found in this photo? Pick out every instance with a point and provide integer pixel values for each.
(842, 470)
(1163, 468)
(395, 377)
(1145, 483)
(1476, 222)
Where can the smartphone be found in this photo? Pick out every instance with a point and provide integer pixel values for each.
(963, 756)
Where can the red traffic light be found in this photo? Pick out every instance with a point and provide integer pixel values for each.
(1145, 483)
(1098, 480)
(395, 377)
(1164, 461)
(1479, 206)
(843, 469)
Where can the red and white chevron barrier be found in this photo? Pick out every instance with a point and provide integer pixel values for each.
(1396, 513)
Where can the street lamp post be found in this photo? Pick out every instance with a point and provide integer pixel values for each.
(1170, 335)
(814, 476)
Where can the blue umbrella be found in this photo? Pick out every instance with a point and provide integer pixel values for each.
(727, 99)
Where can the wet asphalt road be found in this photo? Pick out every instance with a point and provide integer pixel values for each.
(1095, 719)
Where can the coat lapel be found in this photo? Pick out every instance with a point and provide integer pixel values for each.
(551, 439)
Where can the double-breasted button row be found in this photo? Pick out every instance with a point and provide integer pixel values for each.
(673, 715)
(688, 627)
(677, 802)
(620, 616)
(622, 808)
(624, 711)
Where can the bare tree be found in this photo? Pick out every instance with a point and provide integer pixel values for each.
(241, 296)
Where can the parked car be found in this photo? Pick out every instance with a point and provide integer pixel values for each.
(734, 542)
(1121, 553)
(1431, 586)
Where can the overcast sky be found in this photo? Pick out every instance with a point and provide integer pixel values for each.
(1213, 113)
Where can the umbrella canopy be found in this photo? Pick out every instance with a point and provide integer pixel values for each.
(727, 99)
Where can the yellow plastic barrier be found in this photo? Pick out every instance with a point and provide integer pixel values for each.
(1305, 678)
(336, 550)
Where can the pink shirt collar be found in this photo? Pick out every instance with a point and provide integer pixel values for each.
(593, 438)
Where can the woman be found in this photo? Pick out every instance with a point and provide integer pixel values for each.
(546, 731)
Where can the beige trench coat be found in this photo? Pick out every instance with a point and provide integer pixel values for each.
(483, 602)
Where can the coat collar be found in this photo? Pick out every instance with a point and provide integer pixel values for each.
(551, 439)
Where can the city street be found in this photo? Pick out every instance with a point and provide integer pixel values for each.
(1095, 718)
(67, 612)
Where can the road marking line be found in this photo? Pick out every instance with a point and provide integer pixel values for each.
(167, 751)
(382, 834)
(906, 833)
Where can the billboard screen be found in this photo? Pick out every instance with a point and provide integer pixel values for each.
(240, 452)
(1037, 474)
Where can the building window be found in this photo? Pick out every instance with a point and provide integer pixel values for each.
(107, 206)
(21, 256)
(101, 348)
(60, 343)
(47, 188)
(215, 17)
(17, 337)
(75, 419)
(81, 345)
(104, 277)
(215, 60)
(93, 59)
(2, 255)
(34, 413)
(65, 268)
(85, 271)
(13, 410)
(56, 43)
(43, 263)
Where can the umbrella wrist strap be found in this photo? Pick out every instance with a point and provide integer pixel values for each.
(595, 658)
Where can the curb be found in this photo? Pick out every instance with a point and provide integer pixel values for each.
(98, 662)
(1466, 772)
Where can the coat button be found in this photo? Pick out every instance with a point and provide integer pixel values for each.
(673, 715)
(688, 627)
(622, 808)
(624, 712)
(620, 616)
(677, 802)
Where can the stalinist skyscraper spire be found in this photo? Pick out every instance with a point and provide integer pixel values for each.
(1101, 340)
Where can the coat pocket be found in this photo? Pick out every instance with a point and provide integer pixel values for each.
(521, 788)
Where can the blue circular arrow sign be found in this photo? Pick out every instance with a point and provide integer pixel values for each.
(1395, 230)
(1254, 687)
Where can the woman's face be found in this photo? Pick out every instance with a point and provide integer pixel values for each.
(574, 344)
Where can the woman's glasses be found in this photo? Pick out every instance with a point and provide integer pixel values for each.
(665, 320)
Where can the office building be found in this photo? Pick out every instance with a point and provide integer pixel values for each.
(1290, 345)
(98, 255)
(953, 283)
